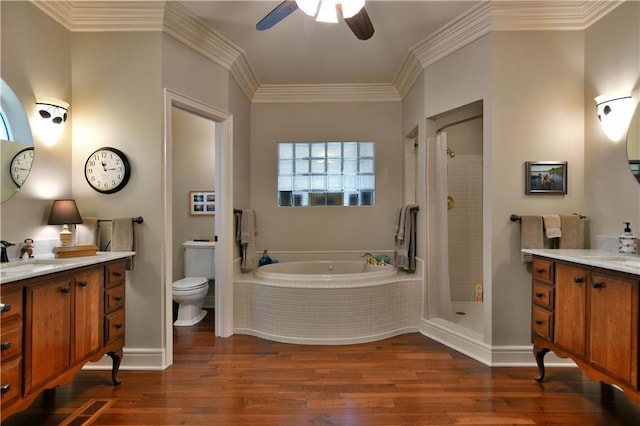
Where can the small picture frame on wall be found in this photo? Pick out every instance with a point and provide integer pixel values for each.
(545, 177)
(202, 203)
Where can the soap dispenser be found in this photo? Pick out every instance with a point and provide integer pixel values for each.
(628, 243)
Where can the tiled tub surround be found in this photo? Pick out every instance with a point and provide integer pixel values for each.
(327, 311)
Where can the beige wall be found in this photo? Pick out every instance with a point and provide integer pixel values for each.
(117, 100)
(39, 65)
(537, 116)
(612, 65)
(193, 164)
(366, 228)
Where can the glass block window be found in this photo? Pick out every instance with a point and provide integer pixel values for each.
(326, 174)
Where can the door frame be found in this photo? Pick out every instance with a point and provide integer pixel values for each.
(223, 125)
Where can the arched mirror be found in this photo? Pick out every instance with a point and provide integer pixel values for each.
(17, 143)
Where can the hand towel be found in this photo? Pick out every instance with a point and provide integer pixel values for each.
(123, 238)
(248, 233)
(531, 236)
(572, 231)
(87, 232)
(552, 225)
(405, 244)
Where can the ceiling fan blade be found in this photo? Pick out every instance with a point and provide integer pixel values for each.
(280, 12)
(360, 24)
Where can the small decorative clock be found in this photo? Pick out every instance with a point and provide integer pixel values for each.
(107, 170)
(21, 166)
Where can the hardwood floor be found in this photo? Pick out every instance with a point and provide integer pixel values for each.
(405, 380)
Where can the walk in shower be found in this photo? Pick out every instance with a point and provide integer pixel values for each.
(454, 232)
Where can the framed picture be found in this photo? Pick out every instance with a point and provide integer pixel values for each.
(202, 203)
(634, 165)
(545, 177)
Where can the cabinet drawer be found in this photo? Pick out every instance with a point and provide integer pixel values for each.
(11, 339)
(543, 270)
(543, 295)
(542, 322)
(114, 298)
(12, 301)
(114, 325)
(10, 381)
(115, 273)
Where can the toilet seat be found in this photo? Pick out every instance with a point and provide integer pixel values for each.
(190, 284)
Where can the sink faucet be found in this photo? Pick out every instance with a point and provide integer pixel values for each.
(3, 257)
(371, 259)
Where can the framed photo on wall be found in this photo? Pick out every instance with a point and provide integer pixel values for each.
(545, 177)
(202, 203)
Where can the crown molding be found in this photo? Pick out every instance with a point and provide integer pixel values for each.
(315, 93)
(185, 27)
(101, 16)
(548, 15)
(176, 21)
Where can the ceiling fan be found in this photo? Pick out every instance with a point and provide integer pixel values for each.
(352, 11)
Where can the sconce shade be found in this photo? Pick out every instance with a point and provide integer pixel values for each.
(64, 212)
(614, 113)
(52, 109)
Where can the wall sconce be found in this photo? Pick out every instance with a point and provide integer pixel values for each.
(614, 113)
(64, 212)
(52, 114)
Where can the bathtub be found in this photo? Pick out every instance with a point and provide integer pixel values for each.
(324, 272)
(326, 302)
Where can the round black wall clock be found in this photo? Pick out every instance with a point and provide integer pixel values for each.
(107, 170)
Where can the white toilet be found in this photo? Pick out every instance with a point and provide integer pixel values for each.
(189, 292)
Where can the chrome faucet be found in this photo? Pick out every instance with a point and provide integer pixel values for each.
(3, 256)
(371, 259)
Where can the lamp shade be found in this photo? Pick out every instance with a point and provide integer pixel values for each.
(64, 212)
(614, 113)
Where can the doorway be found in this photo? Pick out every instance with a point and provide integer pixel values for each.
(223, 219)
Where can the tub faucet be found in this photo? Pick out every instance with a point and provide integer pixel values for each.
(3, 256)
(370, 259)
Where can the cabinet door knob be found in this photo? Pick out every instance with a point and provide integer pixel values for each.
(83, 283)
(118, 298)
(597, 285)
(5, 345)
(5, 307)
(539, 295)
(65, 290)
(578, 280)
(117, 274)
(5, 388)
(540, 270)
(119, 325)
(538, 322)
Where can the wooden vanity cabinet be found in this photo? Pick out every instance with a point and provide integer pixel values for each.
(595, 322)
(63, 321)
(10, 343)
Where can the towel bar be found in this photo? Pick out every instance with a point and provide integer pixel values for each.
(516, 218)
(138, 219)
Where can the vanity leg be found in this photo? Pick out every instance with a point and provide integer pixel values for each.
(116, 356)
(539, 354)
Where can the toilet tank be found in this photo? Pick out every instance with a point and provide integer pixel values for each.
(199, 259)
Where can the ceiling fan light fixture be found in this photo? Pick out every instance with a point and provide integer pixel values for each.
(351, 7)
(310, 7)
(327, 12)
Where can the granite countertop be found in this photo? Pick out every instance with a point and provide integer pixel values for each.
(629, 263)
(44, 264)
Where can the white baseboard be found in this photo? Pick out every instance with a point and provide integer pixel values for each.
(493, 356)
(133, 359)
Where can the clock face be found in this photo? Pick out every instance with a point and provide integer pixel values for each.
(107, 170)
(21, 166)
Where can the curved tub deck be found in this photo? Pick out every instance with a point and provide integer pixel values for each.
(323, 302)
